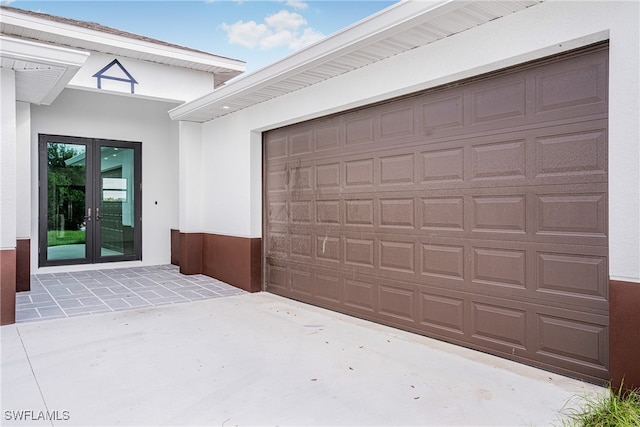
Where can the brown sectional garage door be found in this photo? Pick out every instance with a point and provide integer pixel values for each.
(475, 213)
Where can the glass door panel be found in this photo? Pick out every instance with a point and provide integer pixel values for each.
(67, 215)
(116, 205)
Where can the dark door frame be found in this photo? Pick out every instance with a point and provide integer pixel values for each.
(93, 190)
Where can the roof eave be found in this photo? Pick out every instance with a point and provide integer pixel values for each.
(68, 61)
(389, 32)
(101, 40)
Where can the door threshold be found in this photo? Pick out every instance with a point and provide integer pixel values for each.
(88, 267)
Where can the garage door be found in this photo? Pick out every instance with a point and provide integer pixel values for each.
(474, 213)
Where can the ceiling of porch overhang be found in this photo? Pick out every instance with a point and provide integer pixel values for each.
(41, 71)
(399, 28)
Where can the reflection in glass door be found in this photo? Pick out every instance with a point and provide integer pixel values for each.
(115, 207)
(66, 203)
(90, 208)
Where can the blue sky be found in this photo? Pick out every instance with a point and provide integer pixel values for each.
(258, 32)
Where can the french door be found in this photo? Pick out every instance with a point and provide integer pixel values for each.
(90, 201)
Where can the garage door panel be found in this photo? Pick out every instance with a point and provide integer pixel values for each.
(277, 211)
(359, 212)
(278, 245)
(327, 177)
(442, 213)
(360, 251)
(442, 114)
(302, 246)
(572, 275)
(360, 294)
(500, 327)
(328, 212)
(397, 255)
(499, 100)
(442, 166)
(302, 212)
(328, 249)
(442, 314)
(359, 173)
(573, 340)
(445, 261)
(276, 147)
(301, 179)
(397, 303)
(397, 170)
(572, 153)
(277, 180)
(499, 267)
(475, 214)
(573, 88)
(572, 215)
(277, 277)
(397, 212)
(505, 214)
(329, 287)
(360, 128)
(499, 160)
(397, 122)
(328, 135)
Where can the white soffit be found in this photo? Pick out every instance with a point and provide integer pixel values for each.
(399, 28)
(94, 37)
(41, 71)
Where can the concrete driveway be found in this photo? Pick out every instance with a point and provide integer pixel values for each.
(258, 359)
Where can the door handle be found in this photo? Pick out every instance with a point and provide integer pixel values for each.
(98, 216)
(88, 216)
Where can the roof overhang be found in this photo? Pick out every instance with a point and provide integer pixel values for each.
(399, 28)
(93, 37)
(41, 71)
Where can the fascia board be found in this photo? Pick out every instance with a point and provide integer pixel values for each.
(379, 26)
(41, 53)
(112, 40)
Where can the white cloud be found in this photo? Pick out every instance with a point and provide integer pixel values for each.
(284, 20)
(309, 36)
(280, 38)
(247, 34)
(297, 4)
(282, 29)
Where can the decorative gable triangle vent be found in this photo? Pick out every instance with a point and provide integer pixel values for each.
(120, 76)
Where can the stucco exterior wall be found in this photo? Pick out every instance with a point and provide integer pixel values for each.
(7, 161)
(232, 179)
(98, 115)
(155, 81)
(23, 171)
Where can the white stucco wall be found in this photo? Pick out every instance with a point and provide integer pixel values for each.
(99, 115)
(23, 168)
(155, 81)
(190, 172)
(7, 160)
(231, 175)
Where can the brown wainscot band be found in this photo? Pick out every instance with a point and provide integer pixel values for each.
(624, 344)
(23, 265)
(175, 247)
(234, 260)
(7, 286)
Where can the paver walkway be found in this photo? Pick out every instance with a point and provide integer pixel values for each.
(58, 295)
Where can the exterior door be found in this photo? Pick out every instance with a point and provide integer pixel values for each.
(90, 201)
